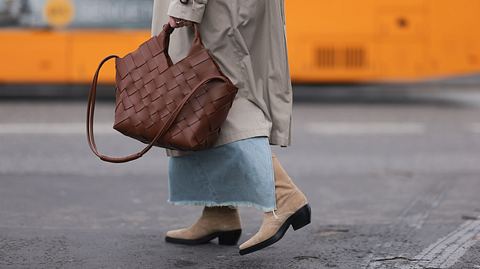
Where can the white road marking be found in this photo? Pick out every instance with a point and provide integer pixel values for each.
(54, 128)
(366, 128)
(449, 249)
(413, 216)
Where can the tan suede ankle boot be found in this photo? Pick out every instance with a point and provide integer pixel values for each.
(221, 221)
(291, 209)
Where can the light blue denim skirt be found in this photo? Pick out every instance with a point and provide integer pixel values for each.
(239, 173)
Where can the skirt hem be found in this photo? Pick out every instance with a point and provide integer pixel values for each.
(230, 203)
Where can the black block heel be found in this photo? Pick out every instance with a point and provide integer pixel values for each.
(229, 238)
(301, 217)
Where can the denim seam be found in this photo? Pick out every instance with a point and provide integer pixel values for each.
(273, 178)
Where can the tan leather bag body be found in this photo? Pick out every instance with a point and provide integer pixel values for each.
(178, 106)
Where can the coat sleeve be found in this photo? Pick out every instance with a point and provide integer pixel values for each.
(191, 10)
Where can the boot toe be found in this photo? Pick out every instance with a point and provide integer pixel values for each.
(261, 238)
(250, 242)
(179, 233)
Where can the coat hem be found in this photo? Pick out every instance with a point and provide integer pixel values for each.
(273, 140)
(279, 140)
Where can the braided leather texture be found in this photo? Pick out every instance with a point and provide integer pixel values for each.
(149, 88)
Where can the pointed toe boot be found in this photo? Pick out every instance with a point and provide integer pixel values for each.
(292, 209)
(215, 222)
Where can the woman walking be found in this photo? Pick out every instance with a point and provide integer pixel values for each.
(247, 39)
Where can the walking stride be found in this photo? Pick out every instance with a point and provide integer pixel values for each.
(247, 38)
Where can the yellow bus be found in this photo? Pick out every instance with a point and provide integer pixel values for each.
(328, 41)
(32, 51)
(377, 41)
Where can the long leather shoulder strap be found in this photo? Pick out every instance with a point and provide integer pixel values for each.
(90, 118)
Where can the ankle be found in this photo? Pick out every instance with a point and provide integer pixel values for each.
(221, 210)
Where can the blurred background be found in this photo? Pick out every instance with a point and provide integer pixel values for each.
(385, 140)
(60, 41)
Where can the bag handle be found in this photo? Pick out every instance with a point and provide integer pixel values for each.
(90, 118)
(197, 44)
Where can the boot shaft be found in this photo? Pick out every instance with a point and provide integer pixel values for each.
(288, 196)
(222, 217)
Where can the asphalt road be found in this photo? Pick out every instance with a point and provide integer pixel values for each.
(393, 181)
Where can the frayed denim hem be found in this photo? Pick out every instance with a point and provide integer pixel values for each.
(232, 203)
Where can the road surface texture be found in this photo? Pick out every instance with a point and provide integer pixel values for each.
(393, 181)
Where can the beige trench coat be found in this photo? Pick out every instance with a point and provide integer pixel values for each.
(247, 38)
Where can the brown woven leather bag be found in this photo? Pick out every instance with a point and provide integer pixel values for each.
(177, 106)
